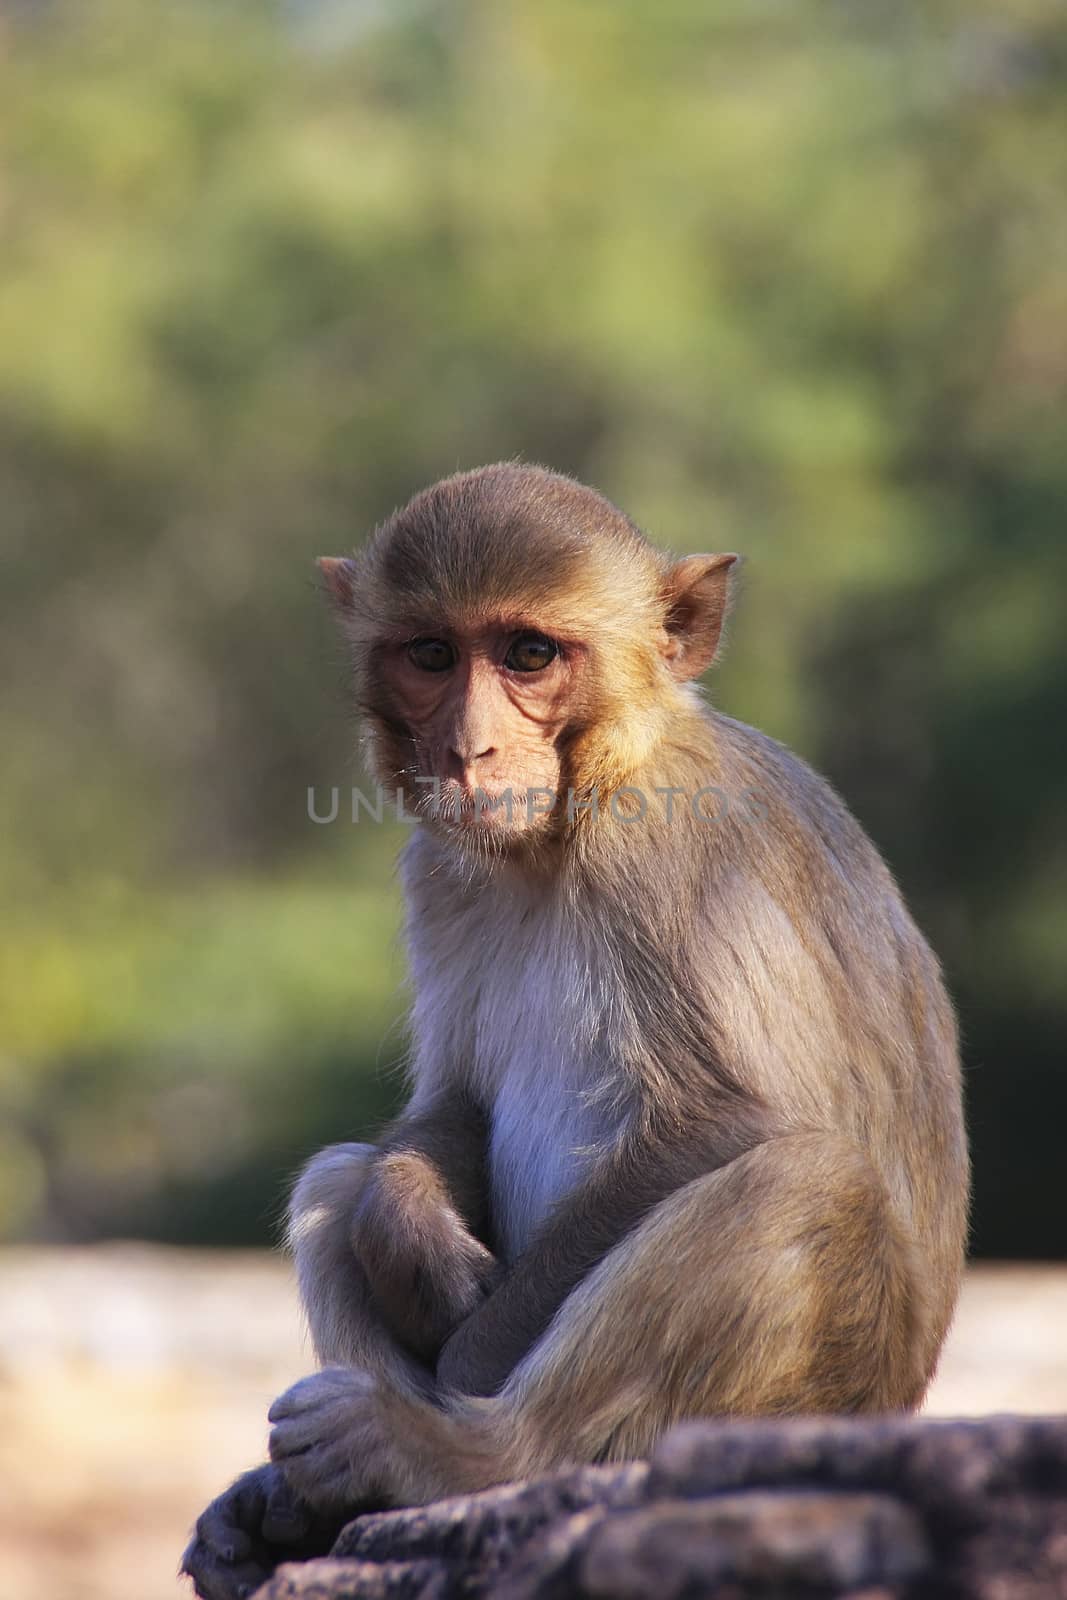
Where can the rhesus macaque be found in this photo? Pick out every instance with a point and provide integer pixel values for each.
(685, 1134)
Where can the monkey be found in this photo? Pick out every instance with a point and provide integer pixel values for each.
(685, 1133)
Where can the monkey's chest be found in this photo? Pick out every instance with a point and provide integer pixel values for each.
(541, 1059)
(543, 1136)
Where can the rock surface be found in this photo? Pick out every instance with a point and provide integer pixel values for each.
(884, 1510)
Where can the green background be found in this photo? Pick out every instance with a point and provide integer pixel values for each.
(783, 278)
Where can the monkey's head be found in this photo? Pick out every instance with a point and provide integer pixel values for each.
(517, 640)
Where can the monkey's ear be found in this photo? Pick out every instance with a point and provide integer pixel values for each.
(340, 574)
(697, 591)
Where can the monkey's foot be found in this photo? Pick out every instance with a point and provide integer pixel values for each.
(253, 1526)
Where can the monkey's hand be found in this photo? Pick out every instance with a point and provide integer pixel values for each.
(426, 1269)
(334, 1441)
(255, 1525)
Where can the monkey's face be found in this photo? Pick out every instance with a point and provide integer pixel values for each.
(519, 649)
(472, 720)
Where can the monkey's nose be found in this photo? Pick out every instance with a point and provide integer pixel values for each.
(463, 765)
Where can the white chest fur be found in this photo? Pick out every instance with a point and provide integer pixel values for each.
(538, 1039)
(543, 1051)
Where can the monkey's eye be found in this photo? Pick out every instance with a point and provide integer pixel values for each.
(431, 655)
(530, 652)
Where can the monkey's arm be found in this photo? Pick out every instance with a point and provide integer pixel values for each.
(419, 1221)
(619, 1192)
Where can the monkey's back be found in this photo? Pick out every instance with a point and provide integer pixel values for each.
(848, 1023)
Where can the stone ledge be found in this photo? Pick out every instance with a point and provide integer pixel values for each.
(909, 1509)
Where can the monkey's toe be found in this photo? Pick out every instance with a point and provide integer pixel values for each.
(217, 1579)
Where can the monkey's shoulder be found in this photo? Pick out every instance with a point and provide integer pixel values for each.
(798, 810)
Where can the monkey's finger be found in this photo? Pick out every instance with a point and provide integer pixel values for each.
(220, 1580)
(295, 1435)
(220, 1535)
(318, 1390)
(286, 1405)
(324, 1477)
(310, 1394)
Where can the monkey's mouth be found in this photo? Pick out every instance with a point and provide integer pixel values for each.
(497, 810)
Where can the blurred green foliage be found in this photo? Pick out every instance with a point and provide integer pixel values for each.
(787, 278)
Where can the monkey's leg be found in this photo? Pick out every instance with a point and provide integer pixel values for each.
(777, 1284)
(378, 1246)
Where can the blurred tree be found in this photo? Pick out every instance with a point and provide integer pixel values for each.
(788, 279)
